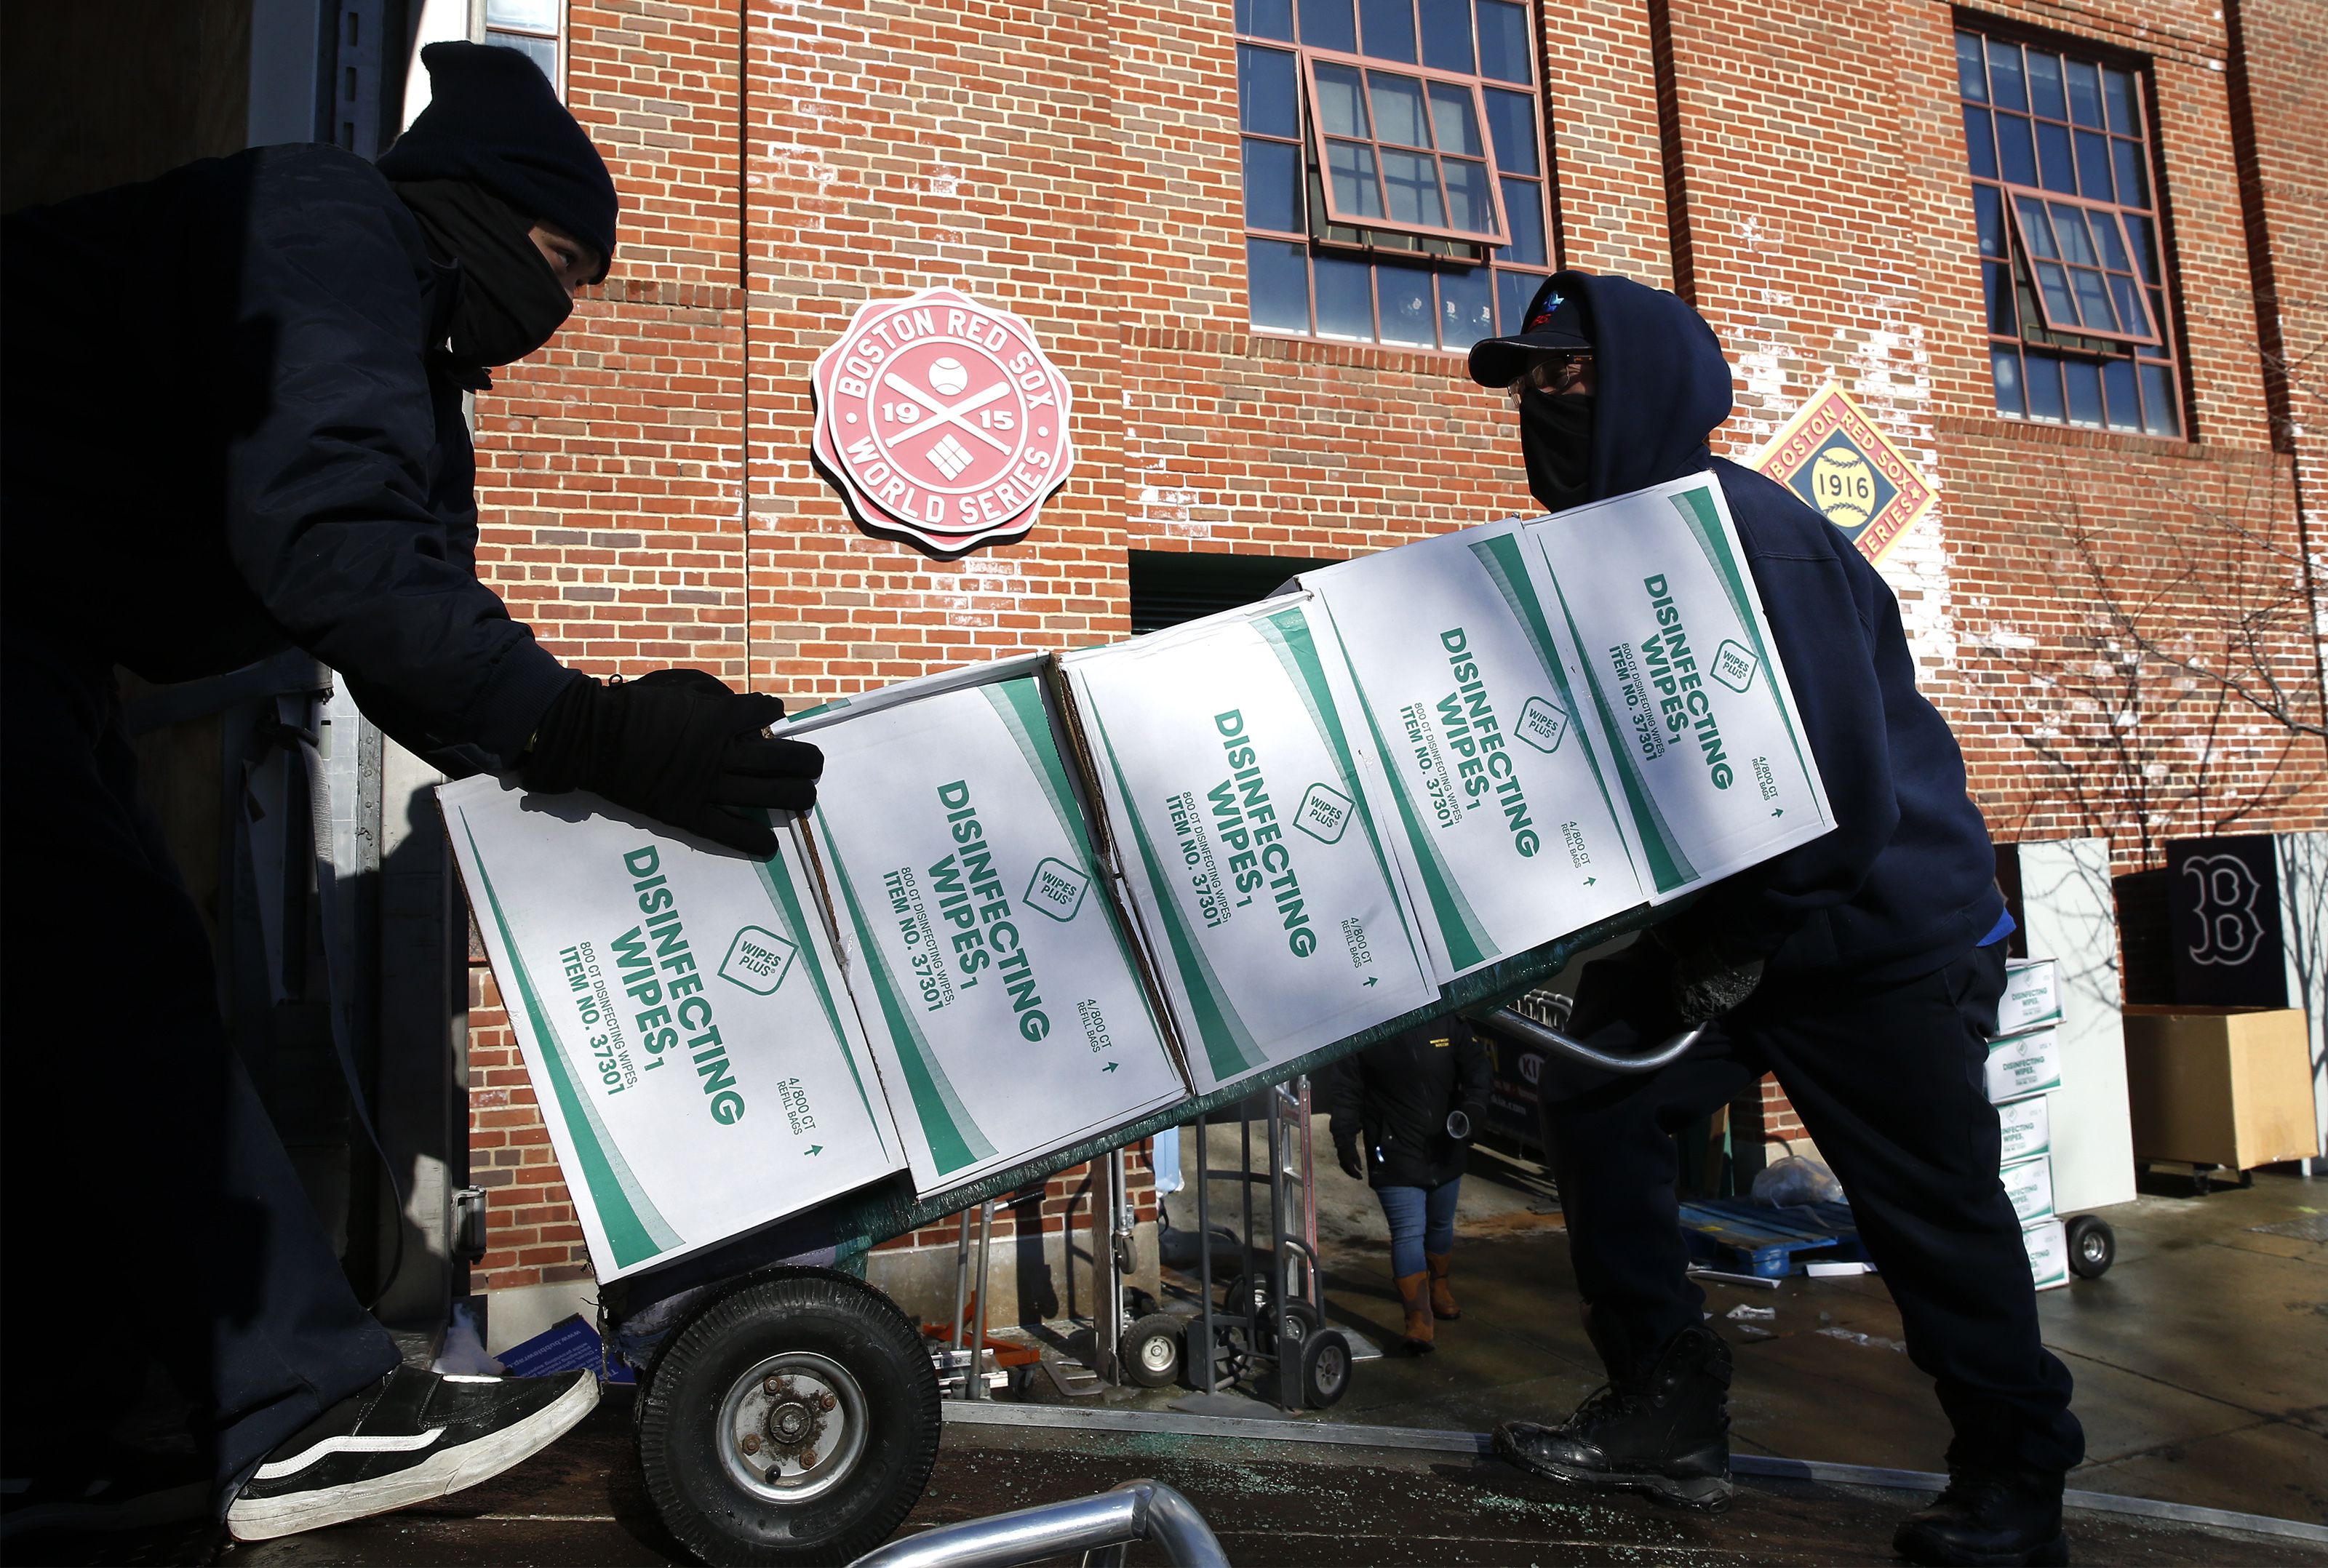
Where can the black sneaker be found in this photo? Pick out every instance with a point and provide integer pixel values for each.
(1989, 1517)
(408, 1438)
(1666, 1434)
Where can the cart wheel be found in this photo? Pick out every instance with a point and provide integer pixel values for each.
(1151, 1351)
(2093, 1247)
(792, 1421)
(1324, 1367)
(2203, 1181)
(1305, 1322)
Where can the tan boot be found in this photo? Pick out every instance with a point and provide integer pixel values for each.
(1442, 1299)
(1421, 1330)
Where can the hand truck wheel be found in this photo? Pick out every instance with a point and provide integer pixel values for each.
(2093, 1247)
(1152, 1354)
(1324, 1367)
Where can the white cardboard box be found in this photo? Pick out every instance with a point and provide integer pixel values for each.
(1008, 1006)
(1506, 823)
(2029, 1185)
(1237, 785)
(701, 1069)
(1660, 621)
(2048, 1243)
(2032, 996)
(2027, 1127)
(2024, 1064)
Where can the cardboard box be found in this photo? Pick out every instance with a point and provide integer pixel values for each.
(2047, 1242)
(2024, 1064)
(1239, 792)
(701, 1067)
(2032, 996)
(1506, 826)
(2027, 1127)
(2220, 1086)
(1660, 621)
(1009, 1008)
(2029, 1185)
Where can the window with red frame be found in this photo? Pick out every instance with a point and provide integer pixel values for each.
(1397, 183)
(2072, 252)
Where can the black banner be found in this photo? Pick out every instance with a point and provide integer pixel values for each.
(2222, 897)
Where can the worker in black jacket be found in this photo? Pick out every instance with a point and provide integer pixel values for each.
(231, 423)
(1402, 1113)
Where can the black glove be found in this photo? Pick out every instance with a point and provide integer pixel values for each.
(1708, 977)
(679, 746)
(1346, 1151)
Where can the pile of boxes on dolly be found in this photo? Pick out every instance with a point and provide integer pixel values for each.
(2024, 1069)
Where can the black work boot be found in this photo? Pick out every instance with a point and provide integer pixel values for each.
(2008, 1514)
(1664, 1432)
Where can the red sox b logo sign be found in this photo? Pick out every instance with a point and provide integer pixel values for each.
(2227, 928)
(941, 419)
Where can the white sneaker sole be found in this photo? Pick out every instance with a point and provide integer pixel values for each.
(439, 1475)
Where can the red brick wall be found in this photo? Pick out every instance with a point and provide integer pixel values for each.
(1082, 170)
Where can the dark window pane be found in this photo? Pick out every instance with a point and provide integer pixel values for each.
(1387, 29)
(2094, 167)
(1351, 168)
(2045, 85)
(1980, 142)
(2117, 90)
(2085, 379)
(1453, 121)
(2130, 312)
(1511, 122)
(2133, 185)
(1447, 35)
(2005, 76)
(1341, 102)
(1504, 51)
(1470, 206)
(2077, 245)
(1328, 24)
(2113, 246)
(2086, 92)
(1972, 76)
(1398, 108)
(1279, 272)
(1273, 176)
(2036, 230)
(1988, 212)
(1346, 291)
(1266, 18)
(2158, 415)
(2146, 258)
(1412, 180)
(2053, 153)
(1997, 278)
(1514, 290)
(2016, 155)
(1467, 309)
(2040, 378)
(2117, 386)
(2158, 310)
(1406, 313)
(2094, 301)
(1267, 100)
(2004, 364)
(1525, 211)
(2059, 304)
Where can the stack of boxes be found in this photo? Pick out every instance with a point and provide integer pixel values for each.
(2024, 1069)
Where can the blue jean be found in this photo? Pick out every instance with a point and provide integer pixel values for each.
(1421, 1220)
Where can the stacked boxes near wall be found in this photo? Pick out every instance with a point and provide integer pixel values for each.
(2024, 1069)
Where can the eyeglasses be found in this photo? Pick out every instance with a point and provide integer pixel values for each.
(1551, 373)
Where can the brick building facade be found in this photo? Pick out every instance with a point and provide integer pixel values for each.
(1800, 172)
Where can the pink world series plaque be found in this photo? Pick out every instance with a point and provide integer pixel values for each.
(941, 419)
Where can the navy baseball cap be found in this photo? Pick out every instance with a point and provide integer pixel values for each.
(1553, 323)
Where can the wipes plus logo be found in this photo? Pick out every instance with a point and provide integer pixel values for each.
(1325, 812)
(1734, 666)
(1057, 890)
(1543, 725)
(759, 960)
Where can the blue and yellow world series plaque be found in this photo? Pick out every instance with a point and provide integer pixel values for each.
(1832, 456)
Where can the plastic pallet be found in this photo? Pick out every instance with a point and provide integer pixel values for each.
(1740, 1236)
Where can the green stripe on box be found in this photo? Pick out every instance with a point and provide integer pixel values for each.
(952, 1135)
(1500, 557)
(1467, 942)
(1696, 508)
(778, 881)
(635, 1230)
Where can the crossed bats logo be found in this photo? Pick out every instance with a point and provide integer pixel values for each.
(2225, 891)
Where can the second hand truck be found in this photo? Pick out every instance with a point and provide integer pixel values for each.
(788, 1412)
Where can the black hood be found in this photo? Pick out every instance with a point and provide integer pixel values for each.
(1660, 384)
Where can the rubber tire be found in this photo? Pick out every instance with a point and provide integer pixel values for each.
(1325, 1369)
(1302, 1314)
(2084, 1230)
(818, 1309)
(1154, 1326)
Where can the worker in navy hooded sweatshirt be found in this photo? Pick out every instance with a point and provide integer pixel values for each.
(1862, 967)
(233, 426)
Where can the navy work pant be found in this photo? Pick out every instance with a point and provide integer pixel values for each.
(1889, 1083)
(172, 1304)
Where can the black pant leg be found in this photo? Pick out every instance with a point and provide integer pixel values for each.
(1888, 1081)
(193, 1312)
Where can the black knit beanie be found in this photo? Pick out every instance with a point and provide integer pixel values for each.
(493, 118)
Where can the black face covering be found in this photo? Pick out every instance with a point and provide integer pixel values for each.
(511, 299)
(1556, 439)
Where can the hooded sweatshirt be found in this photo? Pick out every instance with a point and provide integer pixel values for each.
(1906, 882)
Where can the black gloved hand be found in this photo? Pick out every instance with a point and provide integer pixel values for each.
(1708, 977)
(1346, 1151)
(680, 746)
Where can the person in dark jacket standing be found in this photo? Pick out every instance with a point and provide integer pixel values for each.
(232, 424)
(1862, 967)
(1402, 1115)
